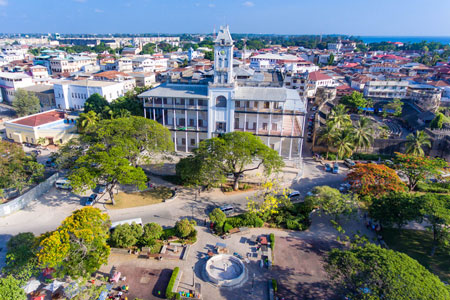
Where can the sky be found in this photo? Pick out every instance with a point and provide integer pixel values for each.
(350, 17)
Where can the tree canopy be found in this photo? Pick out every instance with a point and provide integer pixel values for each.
(16, 168)
(184, 227)
(354, 101)
(331, 201)
(78, 247)
(418, 168)
(393, 108)
(231, 153)
(395, 209)
(374, 180)
(10, 289)
(95, 103)
(416, 142)
(25, 103)
(371, 272)
(126, 235)
(439, 120)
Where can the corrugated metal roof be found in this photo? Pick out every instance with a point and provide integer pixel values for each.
(263, 94)
(178, 91)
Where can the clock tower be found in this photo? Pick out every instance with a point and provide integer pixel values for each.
(223, 57)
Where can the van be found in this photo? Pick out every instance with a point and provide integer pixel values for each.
(129, 221)
(63, 184)
(227, 209)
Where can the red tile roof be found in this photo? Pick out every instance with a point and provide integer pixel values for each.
(111, 75)
(316, 76)
(41, 118)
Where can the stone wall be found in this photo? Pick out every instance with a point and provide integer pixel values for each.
(23, 200)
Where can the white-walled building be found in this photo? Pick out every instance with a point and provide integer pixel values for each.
(11, 82)
(270, 60)
(194, 112)
(72, 94)
(70, 64)
(301, 67)
(386, 89)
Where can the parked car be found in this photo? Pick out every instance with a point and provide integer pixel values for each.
(50, 163)
(294, 195)
(349, 163)
(314, 108)
(327, 168)
(227, 209)
(100, 188)
(63, 183)
(91, 199)
(344, 187)
(36, 152)
(335, 168)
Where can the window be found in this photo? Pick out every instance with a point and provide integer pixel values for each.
(255, 104)
(192, 142)
(238, 104)
(191, 122)
(183, 141)
(236, 123)
(182, 121)
(266, 104)
(254, 125)
(221, 101)
(191, 102)
(200, 123)
(264, 126)
(274, 126)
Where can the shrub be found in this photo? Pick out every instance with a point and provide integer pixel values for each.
(252, 220)
(152, 232)
(227, 227)
(436, 187)
(218, 217)
(168, 232)
(235, 222)
(274, 285)
(370, 156)
(126, 235)
(331, 156)
(292, 224)
(245, 187)
(272, 241)
(184, 227)
(192, 238)
(169, 294)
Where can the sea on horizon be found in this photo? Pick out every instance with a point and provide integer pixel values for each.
(405, 39)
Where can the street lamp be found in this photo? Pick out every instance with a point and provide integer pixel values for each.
(193, 276)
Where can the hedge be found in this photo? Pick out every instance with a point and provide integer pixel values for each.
(169, 293)
(272, 241)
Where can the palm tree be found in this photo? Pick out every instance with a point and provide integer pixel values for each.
(344, 143)
(87, 120)
(363, 133)
(327, 135)
(122, 113)
(416, 142)
(339, 117)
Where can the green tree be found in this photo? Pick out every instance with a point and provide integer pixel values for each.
(327, 134)
(331, 201)
(418, 168)
(234, 152)
(95, 103)
(21, 261)
(185, 227)
(102, 165)
(25, 103)
(217, 216)
(395, 106)
(362, 133)
(354, 101)
(344, 143)
(209, 55)
(10, 289)
(330, 59)
(17, 169)
(395, 209)
(439, 120)
(152, 232)
(78, 247)
(436, 210)
(126, 235)
(416, 142)
(198, 170)
(339, 117)
(371, 272)
(87, 120)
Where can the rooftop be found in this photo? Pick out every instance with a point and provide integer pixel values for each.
(86, 82)
(40, 118)
(178, 91)
(14, 75)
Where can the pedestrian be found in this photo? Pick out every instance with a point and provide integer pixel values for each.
(126, 288)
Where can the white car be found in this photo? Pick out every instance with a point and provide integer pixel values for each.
(294, 194)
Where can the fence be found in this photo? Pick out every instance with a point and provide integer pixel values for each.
(23, 200)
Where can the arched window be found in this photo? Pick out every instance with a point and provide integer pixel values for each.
(221, 101)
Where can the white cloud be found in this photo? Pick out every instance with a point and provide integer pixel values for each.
(248, 3)
(211, 5)
(3, 2)
(99, 11)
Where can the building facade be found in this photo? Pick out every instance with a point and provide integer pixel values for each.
(194, 112)
(386, 89)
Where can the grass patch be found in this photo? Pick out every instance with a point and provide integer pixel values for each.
(156, 248)
(153, 196)
(417, 244)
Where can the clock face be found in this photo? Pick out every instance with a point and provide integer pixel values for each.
(222, 52)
